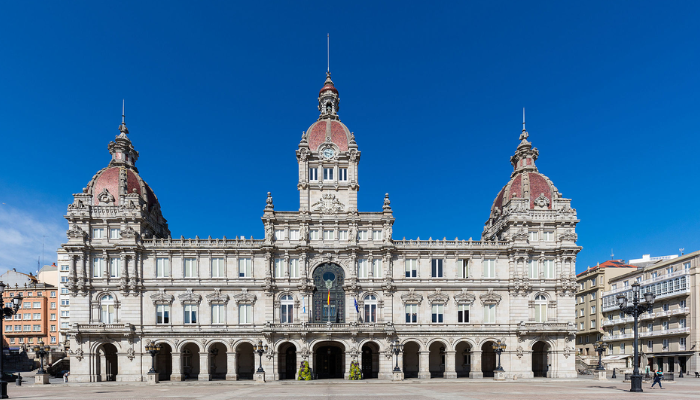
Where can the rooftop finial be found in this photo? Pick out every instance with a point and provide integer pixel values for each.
(523, 118)
(124, 117)
(122, 127)
(328, 52)
(524, 135)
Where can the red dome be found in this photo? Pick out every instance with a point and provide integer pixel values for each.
(335, 130)
(109, 179)
(526, 185)
(328, 86)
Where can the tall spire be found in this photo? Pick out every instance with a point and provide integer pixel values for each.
(122, 127)
(525, 156)
(524, 135)
(328, 52)
(328, 100)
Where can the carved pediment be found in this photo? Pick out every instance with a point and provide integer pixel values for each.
(438, 297)
(162, 298)
(245, 297)
(411, 297)
(464, 297)
(76, 232)
(189, 297)
(217, 297)
(490, 298)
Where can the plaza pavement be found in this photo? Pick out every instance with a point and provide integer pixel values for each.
(582, 388)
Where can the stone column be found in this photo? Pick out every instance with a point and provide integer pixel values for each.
(103, 365)
(177, 367)
(476, 365)
(386, 364)
(347, 361)
(450, 372)
(231, 366)
(204, 374)
(424, 364)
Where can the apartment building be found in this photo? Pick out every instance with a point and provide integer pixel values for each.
(63, 297)
(669, 333)
(36, 319)
(591, 284)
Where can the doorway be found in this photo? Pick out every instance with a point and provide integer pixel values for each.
(539, 359)
(329, 362)
(370, 361)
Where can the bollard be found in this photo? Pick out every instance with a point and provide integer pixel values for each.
(18, 381)
(613, 375)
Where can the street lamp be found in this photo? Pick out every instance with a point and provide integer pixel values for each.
(499, 347)
(396, 348)
(260, 349)
(635, 310)
(153, 349)
(600, 348)
(41, 351)
(6, 312)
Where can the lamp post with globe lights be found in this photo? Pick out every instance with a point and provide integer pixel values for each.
(499, 347)
(600, 348)
(260, 349)
(153, 349)
(635, 310)
(41, 351)
(396, 348)
(6, 312)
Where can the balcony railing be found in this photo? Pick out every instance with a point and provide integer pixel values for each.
(682, 310)
(659, 278)
(665, 332)
(621, 336)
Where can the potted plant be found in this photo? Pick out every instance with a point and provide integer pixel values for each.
(304, 371)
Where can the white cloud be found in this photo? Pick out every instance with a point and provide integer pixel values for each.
(22, 233)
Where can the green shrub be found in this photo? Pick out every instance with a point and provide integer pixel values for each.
(355, 372)
(304, 371)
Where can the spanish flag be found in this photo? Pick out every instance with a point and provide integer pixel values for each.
(329, 297)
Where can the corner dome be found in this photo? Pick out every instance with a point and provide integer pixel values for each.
(111, 184)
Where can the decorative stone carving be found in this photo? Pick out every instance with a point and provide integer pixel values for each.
(387, 203)
(328, 204)
(130, 354)
(438, 297)
(217, 297)
(464, 297)
(541, 201)
(129, 233)
(244, 297)
(161, 297)
(105, 197)
(411, 297)
(520, 235)
(568, 235)
(519, 352)
(76, 232)
(269, 234)
(268, 203)
(490, 298)
(189, 297)
(567, 351)
(78, 354)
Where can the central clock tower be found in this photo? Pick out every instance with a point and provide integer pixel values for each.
(328, 160)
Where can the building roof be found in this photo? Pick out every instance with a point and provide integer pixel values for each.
(608, 264)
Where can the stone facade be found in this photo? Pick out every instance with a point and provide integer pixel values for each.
(298, 290)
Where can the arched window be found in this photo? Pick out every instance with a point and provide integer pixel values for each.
(370, 308)
(287, 310)
(540, 308)
(107, 315)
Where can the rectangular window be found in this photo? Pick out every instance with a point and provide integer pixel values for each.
(650, 345)
(245, 268)
(650, 327)
(245, 313)
(36, 328)
(64, 279)
(287, 313)
(8, 328)
(162, 314)
(98, 233)
(218, 314)
(489, 268)
(463, 313)
(36, 304)
(27, 328)
(548, 269)
(64, 313)
(53, 304)
(463, 268)
(664, 325)
(376, 235)
(343, 235)
(279, 234)
(294, 234)
(162, 268)
(64, 325)
(65, 268)
(681, 343)
(593, 282)
(362, 269)
(362, 235)
(53, 293)
(371, 312)
(436, 268)
(614, 286)
(665, 344)
(217, 268)
(190, 267)
(411, 268)
(665, 306)
(12, 340)
(532, 236)
(592, 296)
(314, 234)
(681, 323)
(592, 324)
(313, 174)
(98, 265)
(53, 317)
(592, 309)
(293, 267)
(343, 174)
(681, 304)
(53, 338)
(18, 328)
(622, 348)
(532, 269)
(541, 312)
(411, 313)
(279, 268)
(686, 266)
(328, 234)
(490, 314)
(114, 267)
(190, 313)
(548, 236)
(328, 174)
(115, 233)
(18, 316)
(377, 268)
(654, 274)
(438, 313)
(36, 316)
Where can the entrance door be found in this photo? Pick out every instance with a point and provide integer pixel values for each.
(290, 362)
(329, 363)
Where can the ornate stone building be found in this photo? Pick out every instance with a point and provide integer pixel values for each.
(327, 284)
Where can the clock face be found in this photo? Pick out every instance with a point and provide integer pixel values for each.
(328, 153)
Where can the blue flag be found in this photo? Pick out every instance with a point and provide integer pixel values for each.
(356, 309)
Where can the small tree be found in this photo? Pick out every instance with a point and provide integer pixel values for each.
(355, 372)
(304, 371)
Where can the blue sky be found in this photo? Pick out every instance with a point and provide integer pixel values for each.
(218, 94)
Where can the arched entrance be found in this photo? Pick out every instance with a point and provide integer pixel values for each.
(411, 360)
(463, 359)
(437, 360)
(488, 359)
(190, 361)
(287, 363)
(370, 361)
(245, 361)
(107, 367)
(329, 360)
(217, 361)
(164, 362)
(539, 359)
(329, 279)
